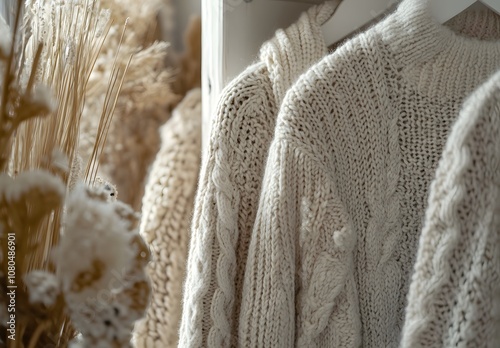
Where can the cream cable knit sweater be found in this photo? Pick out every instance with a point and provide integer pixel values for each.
(231, 178)
(454, 298)
(356, 146)
(167, 209)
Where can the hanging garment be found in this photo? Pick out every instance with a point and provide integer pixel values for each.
(454, 298)
(166, 216)
(357, 142)
(231, 176)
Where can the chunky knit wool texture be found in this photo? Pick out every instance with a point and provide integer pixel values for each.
(358, 139)
(231, 178)
(453, 299)
(166, 217)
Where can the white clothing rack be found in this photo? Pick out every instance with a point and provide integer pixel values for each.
(233, 31)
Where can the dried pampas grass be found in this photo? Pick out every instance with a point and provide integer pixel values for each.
(143, 106)
(70, 253)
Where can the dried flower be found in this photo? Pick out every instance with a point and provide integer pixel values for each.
(12, 190)
(77, 342)
(108, 188)
(108, 291)
(59, 160)
(43, 97)
(43, 287)
(39, 103)
(128, 215)
(88, 238)
(92, 229)
(102, 324)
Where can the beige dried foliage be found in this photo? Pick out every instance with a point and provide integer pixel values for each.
(141, 17)
(144, 104)
(45, 68)
(108, 291)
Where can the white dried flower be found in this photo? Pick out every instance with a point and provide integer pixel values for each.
(43, 287)
(39, 103)
(59, 160)
(41, 180)
(111, 190)
(92, 229)
(77, 342)
(42, 96)
(114, 324)
(128, 214)
(107, 187)
(102, 324)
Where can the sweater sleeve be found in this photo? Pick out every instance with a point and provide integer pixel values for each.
(454, 297)
(299, 268)
(166, 216)
(225, 208)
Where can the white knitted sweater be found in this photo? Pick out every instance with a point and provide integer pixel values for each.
(166, 217)
(454, 298)
(231, 177)
(345, 189)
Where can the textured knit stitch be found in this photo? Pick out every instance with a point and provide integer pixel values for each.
(231, 179)
(357, 142)
(166, 216)
(454, 289)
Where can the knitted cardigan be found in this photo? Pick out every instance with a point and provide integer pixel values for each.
(231, 177)
(454, 298)
(166, 216)
(357, 142)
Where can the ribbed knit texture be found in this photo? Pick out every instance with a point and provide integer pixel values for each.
(166, 217)
(231, 178)
(454, 294)
(357, 143)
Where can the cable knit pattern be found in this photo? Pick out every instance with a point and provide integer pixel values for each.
(230, 182)
(357, 143)
(166, 216)
(455, 287)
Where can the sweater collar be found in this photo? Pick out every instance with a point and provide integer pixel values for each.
(456, 56)
(295, 49)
